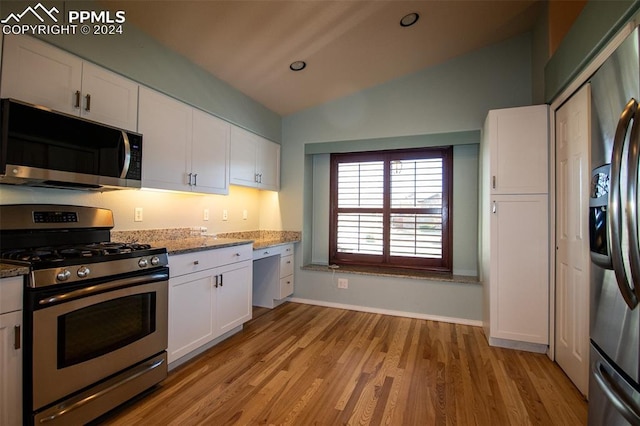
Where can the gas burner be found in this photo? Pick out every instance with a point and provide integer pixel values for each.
(56, 254)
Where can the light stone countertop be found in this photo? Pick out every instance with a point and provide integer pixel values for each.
(9, 270)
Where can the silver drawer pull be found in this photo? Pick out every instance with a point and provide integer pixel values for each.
(237, 254)
(196, 262)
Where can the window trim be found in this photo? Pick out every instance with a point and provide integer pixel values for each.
(443, 264)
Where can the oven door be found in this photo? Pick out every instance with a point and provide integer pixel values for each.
(79, 342)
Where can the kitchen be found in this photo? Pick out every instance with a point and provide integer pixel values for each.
(504, 72)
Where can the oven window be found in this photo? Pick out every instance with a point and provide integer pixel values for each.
(104, 327)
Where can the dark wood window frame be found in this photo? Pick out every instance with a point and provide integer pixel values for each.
(442, 264)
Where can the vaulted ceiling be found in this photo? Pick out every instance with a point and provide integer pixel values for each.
(348, 45)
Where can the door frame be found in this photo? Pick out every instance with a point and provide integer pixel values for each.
(573, 87)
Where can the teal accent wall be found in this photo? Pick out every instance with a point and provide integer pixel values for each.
(594, 27)
(447, 101)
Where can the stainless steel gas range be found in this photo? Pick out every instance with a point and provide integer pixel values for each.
(95, 311)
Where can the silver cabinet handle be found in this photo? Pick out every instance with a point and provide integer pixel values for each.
(77, 105)
(189, 178)
(221, 280)
(493, 208)
(88, 103)
(216, 283)
(195, 179)
(493, 182)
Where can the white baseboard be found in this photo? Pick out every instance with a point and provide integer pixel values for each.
(462, 321)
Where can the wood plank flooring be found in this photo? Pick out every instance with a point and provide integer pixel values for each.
(309, 365)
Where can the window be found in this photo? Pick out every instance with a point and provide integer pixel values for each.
(392, 208)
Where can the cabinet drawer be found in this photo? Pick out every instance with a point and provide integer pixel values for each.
(286, 287)
(286, 266)
(181, 264)
(11, 294)
(283, 250)
(227, 255)
(188, 263)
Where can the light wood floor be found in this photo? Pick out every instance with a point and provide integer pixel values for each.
(306, 365)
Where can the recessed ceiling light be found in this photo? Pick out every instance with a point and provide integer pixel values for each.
(409, 19)
(297, 65)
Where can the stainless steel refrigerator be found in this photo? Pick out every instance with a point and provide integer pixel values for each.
(614, 384)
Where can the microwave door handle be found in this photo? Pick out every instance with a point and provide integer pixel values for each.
(127, 155)
(614, 215)
(632, 202)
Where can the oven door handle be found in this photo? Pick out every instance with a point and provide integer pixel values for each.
(144, 369)
(99, 288)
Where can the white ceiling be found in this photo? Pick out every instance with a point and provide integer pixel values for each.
(348, 45)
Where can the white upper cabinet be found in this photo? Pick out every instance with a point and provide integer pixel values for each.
(184, 148)
(41, 74)
(519, 149)
(255, 161)
(210, 153)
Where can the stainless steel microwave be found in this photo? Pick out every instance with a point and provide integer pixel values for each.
(42, 147)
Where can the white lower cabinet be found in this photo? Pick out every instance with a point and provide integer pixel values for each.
(273, 275)
(516, 282)
(209, 294)
(11, 351)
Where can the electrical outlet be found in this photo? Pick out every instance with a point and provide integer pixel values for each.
(343, 283)
(245, 215)
(137, 214)
(205, 214)
(225, 214)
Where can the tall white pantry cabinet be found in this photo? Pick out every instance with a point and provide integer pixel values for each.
(514, 222)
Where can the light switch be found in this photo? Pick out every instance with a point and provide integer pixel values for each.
(205, 214)
(137, 215)
(225, 214)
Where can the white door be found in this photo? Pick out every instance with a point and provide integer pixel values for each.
(191, 313)
(10, 369)
(572, 233)
(166, 127)
(269, 169)
(35, 72)
(244, 151)
(109, 98)
(210, 153)
(520, 268)
(234, 295)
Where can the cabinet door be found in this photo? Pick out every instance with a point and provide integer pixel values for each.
(191, 313)
(269, 165)
(210, 153)
(233, 297)
(35, 72)
(11, 369)
(519, 150)
(244, 157)
(520, 268)
(166, 126)
(109, 98)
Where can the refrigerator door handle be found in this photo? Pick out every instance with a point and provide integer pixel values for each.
(614, 213)
(625, 405)
(632, 202)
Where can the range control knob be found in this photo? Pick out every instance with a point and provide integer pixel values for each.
(155, 260)
(83, 272)
(143, 263)
(63, 275)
